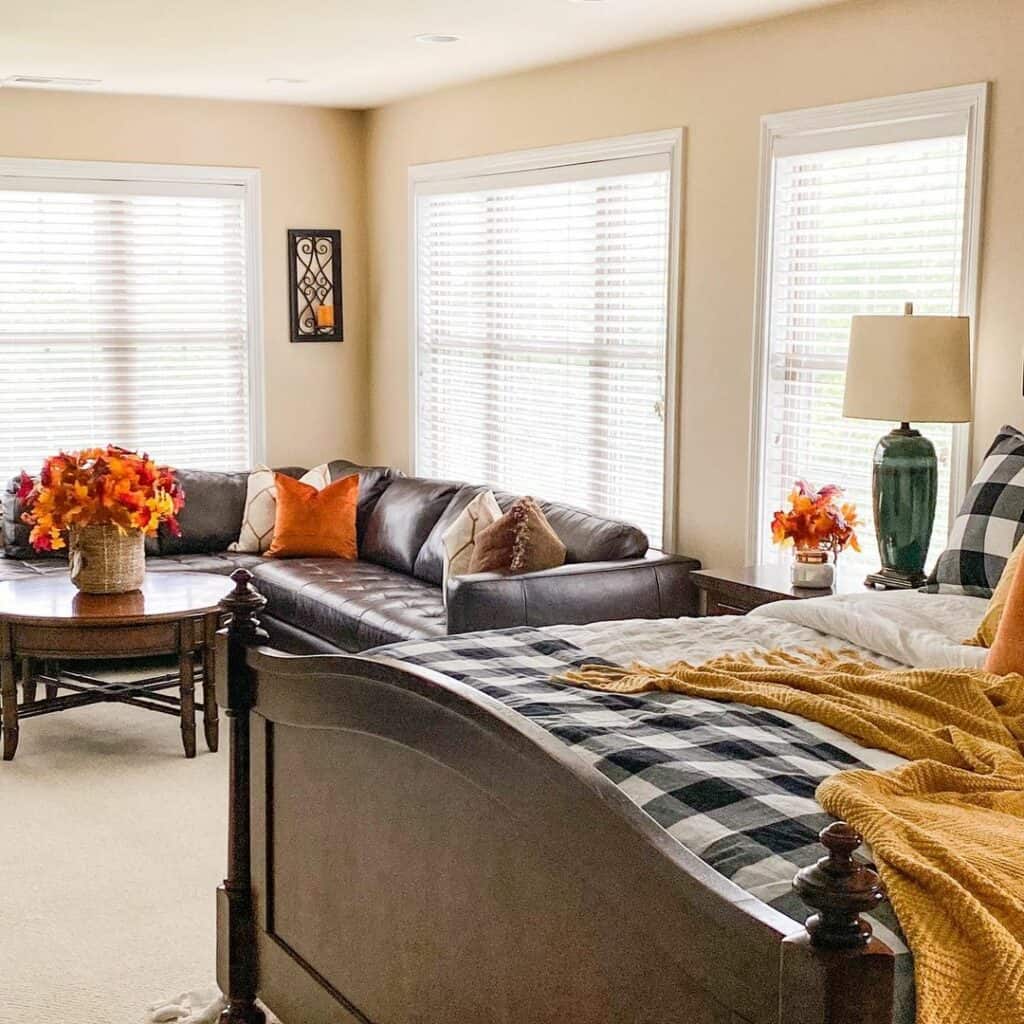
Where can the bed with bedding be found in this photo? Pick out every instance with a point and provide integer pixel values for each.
(464, 837)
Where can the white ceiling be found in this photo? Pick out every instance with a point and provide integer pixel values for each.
(352, 53)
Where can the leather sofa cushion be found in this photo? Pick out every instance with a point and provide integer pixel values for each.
(400, 524)
(212, 514)
(587, 537)
(353, 605)
(430, 561)
(373, 482)
(591, 538)
(31, 568)
(221, 564)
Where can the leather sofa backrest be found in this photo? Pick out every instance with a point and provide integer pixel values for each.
(587, 537)
(373, 482)
(401, 522)
(212, 514)
(215, 503)
(430, 561)
(592, 538)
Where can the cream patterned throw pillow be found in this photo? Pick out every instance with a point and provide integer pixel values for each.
(460, 538)
(257, 531)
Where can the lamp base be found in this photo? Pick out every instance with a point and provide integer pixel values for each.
(894, 579)
(905, 487)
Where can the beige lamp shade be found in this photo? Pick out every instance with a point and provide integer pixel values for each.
(909, 369)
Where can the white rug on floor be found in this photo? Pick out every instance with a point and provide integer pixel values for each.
(112, 845)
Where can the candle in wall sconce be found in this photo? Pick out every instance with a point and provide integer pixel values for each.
(325, 317)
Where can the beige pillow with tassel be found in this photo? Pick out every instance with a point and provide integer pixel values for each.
(522, 540)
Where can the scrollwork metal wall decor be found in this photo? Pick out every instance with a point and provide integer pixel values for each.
(314, 284)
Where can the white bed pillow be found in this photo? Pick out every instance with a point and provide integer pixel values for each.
(257, 530)
(460, 538)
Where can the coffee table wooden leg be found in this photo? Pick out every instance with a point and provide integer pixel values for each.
(211, 727)
(28, 680)
(51, 668)
(187, 682)
(9, 699)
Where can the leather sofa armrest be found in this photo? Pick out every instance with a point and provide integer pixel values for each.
(654, 587)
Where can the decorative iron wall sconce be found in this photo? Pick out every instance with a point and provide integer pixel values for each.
(314, 285)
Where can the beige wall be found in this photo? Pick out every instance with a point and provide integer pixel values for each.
(312, 164)
(718, 86)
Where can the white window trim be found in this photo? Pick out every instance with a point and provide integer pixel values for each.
(671, 142)
(969, 102)
(248, 179)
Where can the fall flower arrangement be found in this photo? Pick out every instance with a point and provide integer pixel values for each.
(99, 487)
(816, 521)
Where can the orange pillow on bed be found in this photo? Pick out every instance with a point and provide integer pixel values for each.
(312, 523)
(1007, 651)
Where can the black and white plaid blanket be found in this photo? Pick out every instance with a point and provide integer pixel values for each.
(733, 783)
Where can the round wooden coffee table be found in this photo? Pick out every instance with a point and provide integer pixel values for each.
(46, 622)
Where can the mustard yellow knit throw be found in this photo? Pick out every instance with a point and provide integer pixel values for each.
(946, 830)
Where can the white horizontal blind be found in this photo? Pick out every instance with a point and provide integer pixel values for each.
(123, 320)
(542, 319)
(857, 230)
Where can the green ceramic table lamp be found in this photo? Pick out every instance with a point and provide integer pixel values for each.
(907, 369)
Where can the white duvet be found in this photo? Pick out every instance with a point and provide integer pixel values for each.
(893, 628)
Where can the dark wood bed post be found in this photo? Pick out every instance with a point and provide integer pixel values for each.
(853, 969)
(237, 971)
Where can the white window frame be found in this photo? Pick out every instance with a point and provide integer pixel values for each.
(248, 178)
(670, 142)
(895, 116)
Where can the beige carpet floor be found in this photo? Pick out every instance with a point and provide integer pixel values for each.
(112, 845)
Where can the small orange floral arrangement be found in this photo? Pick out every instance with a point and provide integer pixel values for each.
(99, 486)
(816, 520)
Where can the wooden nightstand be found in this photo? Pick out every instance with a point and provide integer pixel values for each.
(737, 591)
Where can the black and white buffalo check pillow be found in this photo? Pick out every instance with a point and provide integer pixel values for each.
(990, 522)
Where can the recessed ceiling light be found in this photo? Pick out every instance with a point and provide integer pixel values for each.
(287, 81)
(49, 82)
(435, 37)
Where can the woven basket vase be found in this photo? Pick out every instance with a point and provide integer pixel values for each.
(106, 561)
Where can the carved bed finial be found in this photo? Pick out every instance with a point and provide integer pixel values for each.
(242, 604)
(840, 890)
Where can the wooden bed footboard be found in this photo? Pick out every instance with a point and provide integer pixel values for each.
(405, 850)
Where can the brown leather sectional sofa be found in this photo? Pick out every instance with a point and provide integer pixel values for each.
(393, 591)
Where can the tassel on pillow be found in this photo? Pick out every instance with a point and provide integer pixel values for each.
(522, 540)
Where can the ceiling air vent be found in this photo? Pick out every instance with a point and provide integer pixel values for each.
(48, 82)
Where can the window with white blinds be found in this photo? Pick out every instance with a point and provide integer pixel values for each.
(861, 221)
(123, 320)
(542, 319)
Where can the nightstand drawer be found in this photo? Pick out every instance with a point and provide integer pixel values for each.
(738, 591)
(712, 603)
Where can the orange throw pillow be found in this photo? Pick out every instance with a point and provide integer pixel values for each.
(1006, 654)
(312, 523)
